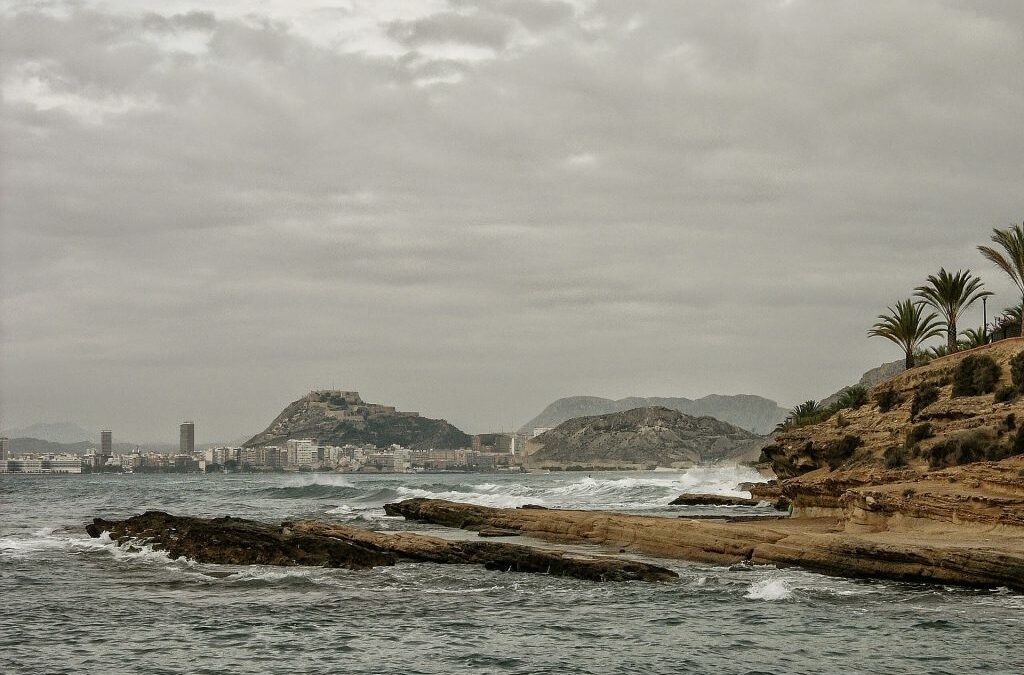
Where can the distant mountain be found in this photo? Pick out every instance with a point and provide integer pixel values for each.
(339, 417)
(884, 372)
(753, 413)
(57, 432)
(25, 445)
(643, 437)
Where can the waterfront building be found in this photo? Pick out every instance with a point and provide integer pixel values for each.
(187, 438)
(5, 447)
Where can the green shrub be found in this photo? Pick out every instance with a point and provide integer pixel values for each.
(918, 434)
(909, 492)
(1017, 371)
(840, 451)
(925, 394)
(1010, 422)
(1018, 442)
(1006, 394)
(895, 457)
(965, 448)
(887, 399)
(976, 375)
(852, 397)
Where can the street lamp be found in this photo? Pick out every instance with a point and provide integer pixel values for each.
(984, 318)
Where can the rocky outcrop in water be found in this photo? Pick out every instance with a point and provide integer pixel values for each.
(245, 542)
(951, 554)
(746, 411)
(642, 438)
(340, 417)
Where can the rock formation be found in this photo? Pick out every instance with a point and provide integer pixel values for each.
(753, 413)
(871, 378)
(642, 438)
(921, 418)
(245, 542)
(953, 555)
(340, 417)
(712, 500)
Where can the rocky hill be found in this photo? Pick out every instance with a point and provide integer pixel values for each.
(642, 437)
(926, 418)
(753, 413)
(871, 378)
(339, 417)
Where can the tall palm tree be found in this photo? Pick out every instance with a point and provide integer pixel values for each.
(1011, 258)
(951, 294)
(907, 326)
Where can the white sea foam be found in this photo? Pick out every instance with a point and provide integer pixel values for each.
(571, 491)
(500, 500)
(769, 589)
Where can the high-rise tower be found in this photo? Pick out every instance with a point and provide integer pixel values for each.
(187, 438)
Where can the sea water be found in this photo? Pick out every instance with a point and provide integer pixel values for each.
(71, 604)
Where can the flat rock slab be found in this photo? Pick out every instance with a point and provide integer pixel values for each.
(712, 500)
(936, 552)
(245, 542)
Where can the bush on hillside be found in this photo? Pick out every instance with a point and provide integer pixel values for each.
(1006, 394)
(895, 457)
(853, 397)
(887, 399)
(977, 445)
(925, 394)
(838, 452)
(976, 375)
(1017, 371)
(918, 434)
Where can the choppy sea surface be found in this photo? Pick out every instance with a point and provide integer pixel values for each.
(71, 604)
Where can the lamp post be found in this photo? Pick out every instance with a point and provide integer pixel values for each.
(984, 317)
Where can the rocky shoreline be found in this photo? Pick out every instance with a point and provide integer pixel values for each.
(831, 545)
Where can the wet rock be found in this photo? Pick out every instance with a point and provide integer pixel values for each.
(245, 542)
(496, 532)
(712, 500)
(237, 542)
(941, 552)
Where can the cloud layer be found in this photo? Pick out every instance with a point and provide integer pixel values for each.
(473, 208)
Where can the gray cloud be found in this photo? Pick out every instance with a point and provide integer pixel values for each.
(206, 214)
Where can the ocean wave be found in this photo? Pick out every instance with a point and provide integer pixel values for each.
(769, 589)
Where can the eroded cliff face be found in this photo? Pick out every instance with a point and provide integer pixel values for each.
(973, 427)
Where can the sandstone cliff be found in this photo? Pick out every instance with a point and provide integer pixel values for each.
(340, 417)
(643, 437)
(753, 413)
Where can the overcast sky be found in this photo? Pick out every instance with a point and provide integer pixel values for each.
(472, 208)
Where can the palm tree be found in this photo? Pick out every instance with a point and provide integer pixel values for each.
(951, 294)
(805, 412)
(907, 326)
(1011, 258)
(974, 337)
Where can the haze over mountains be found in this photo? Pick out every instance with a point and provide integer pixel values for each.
(747, 411)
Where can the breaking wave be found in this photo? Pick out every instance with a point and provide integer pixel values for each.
(769, 589)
